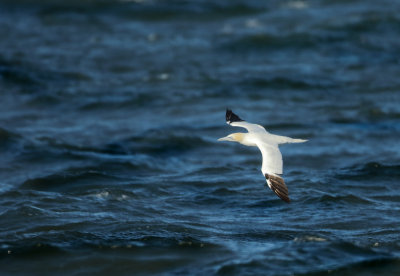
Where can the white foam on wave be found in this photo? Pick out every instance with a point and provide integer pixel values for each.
(310, 238)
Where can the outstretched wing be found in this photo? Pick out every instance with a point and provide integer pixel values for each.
(272, 165)
(271, 158)
(234, 120)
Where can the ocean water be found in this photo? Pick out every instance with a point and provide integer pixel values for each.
(109, 120)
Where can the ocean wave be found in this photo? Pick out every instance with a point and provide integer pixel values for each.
(370, 170)
(161, 143)
(362, 23)
(335, 256)
(336, 199)
(128, 101)
(264, 41)
(29, 78)
(70, 179)
(154, 143)
(112, 148)
(196, 10)
(12, 72)
(375, 266)
(144, 10)
(284, 82)
(7, 138)
(25, 210)
(78, 240)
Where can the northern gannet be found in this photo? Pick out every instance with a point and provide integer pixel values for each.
(268, 144)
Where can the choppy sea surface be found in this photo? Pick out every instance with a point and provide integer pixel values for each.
(109, 119)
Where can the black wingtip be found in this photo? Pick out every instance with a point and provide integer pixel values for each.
(232, 117)
(278, 187)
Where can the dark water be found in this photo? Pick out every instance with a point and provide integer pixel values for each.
(110, 111)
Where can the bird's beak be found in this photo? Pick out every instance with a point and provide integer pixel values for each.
(226, 138)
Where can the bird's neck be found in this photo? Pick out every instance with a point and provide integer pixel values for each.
(244, 139)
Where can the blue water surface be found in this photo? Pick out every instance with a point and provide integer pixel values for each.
(109, 120)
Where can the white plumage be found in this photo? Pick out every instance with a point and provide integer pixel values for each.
(272, 164)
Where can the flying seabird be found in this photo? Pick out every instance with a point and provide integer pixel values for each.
(268, 144)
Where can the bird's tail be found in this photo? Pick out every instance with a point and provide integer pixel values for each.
(297, 141)
(283, 139)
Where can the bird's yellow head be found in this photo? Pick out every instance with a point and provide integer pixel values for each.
(234, 137)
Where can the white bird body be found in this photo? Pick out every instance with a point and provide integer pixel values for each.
(257, 136)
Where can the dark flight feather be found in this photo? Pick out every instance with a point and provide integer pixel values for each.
(232, 117)
(278, 187)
